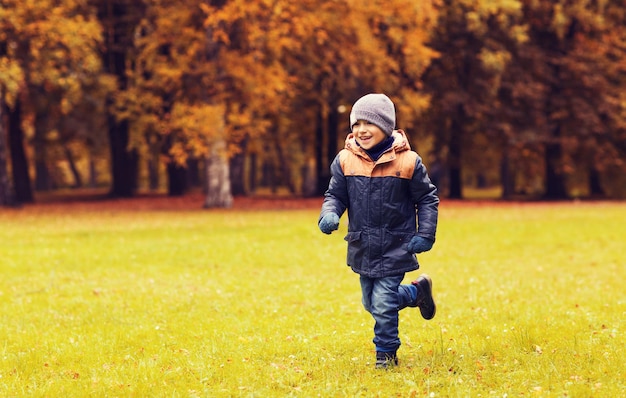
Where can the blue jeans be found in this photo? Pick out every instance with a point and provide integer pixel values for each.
(384, 298)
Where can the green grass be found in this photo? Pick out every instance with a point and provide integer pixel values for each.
(118, 303)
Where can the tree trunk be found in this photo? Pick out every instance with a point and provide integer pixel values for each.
(285, 168)
(119, 19)
(123, 161)
(237, 170)
(43, 180)
(252, 173)
(506, 178)
(7, 196)
(177, 179)
(555, 188)
(595, 184)
(332, 144)
(308, 179)
(93, 172)
(78, 181)
(153, 172)
(322, 164)
(193, 173)
(269, 175)
(217, 189)
(19, 163)
(455, 183)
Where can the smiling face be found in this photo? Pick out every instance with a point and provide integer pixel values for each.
(368, 135)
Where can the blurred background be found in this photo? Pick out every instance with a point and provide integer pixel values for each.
(511, 99)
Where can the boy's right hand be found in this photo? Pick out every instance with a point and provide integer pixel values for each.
(419, 244)
(329, 223)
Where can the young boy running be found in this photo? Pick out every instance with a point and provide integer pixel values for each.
(392, 214)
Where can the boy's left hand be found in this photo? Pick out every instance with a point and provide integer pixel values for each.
(329, 223)
(419, 244)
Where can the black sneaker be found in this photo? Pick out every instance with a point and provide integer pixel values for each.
(425, 296)
(385, 360)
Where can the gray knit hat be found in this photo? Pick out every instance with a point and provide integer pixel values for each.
(377, 109)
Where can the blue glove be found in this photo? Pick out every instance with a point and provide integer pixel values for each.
(329, 223)
(419, 244)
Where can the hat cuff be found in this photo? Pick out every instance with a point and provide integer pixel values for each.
(373, 118)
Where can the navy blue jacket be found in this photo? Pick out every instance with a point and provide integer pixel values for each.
(388, 202)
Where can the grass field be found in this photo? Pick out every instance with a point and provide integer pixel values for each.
(153, 302)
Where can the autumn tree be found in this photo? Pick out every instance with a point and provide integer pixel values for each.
(10, 76)
(13, 23)
(256, 46)
(285, 69)
(538, 79)
(119, 19)
(7, 196)
(61, 82)
(315, 50)
(202, 86)
(175, 99)
(577, 57)
(165, 75)
(474, 40)
(51, 47)
(330, 62)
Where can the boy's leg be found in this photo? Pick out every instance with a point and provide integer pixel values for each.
(418, 294)
(407, 294)
(384, 359)
(384, 309)
(367, 286)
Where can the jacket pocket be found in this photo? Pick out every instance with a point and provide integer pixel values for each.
(356, 250)
(398, 242)
(353, 237)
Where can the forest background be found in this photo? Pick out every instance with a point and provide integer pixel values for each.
(527, 97)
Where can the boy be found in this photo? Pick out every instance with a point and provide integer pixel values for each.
(384, 186)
